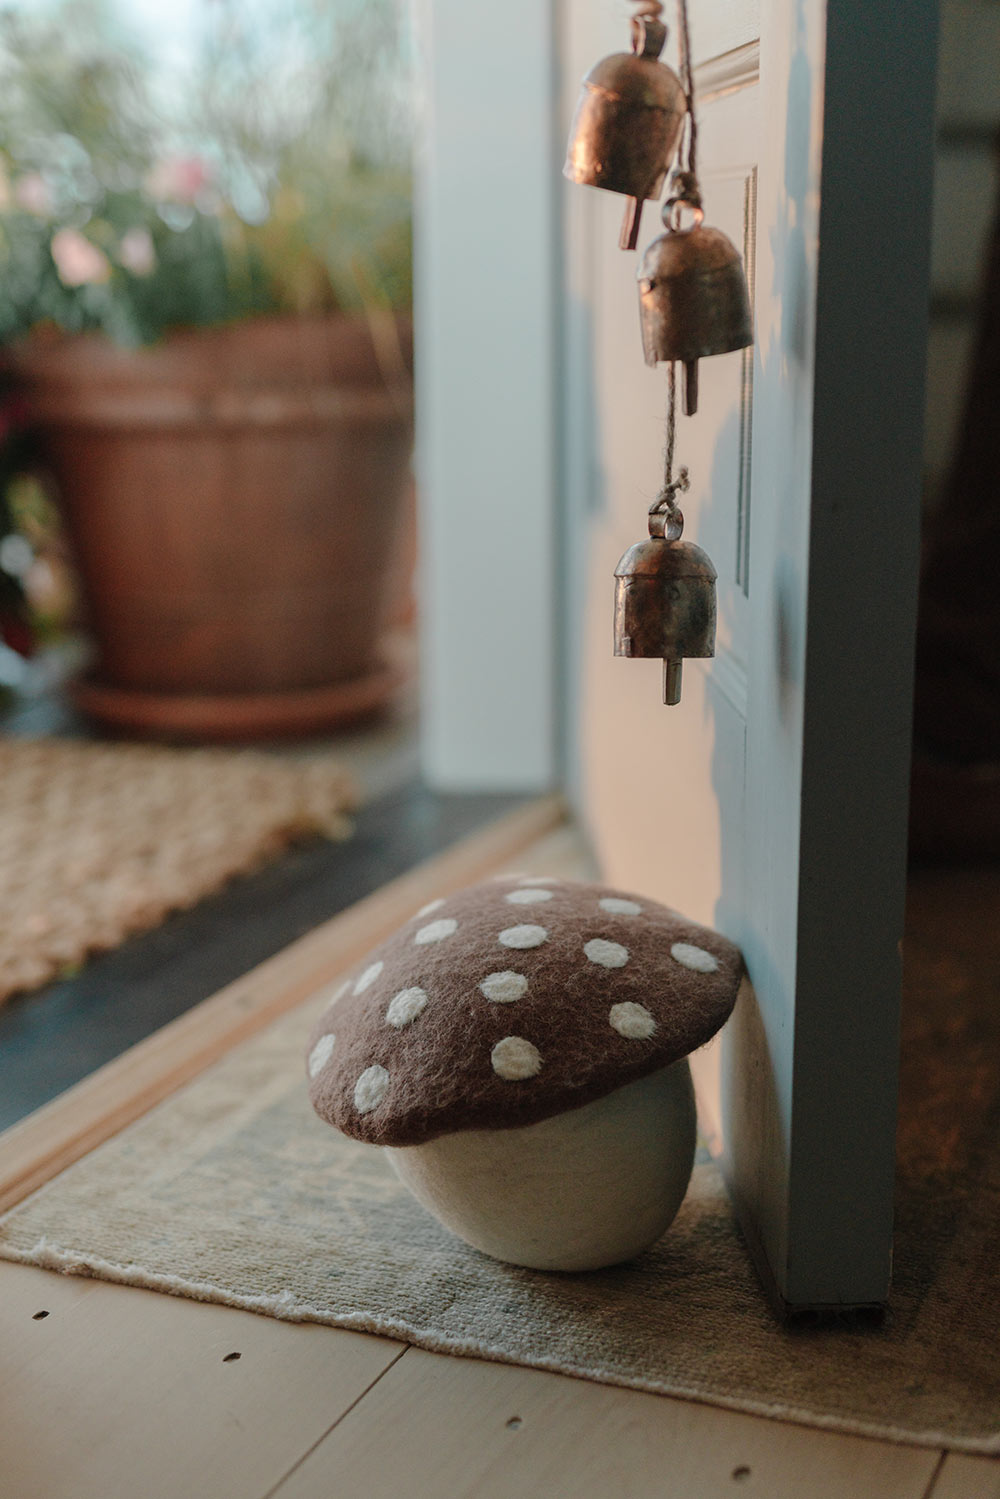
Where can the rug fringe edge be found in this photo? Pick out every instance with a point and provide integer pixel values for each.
(47, 1255)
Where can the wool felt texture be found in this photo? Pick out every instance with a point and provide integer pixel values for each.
(512, 1001)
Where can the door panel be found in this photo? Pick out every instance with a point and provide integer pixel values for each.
(772, 802)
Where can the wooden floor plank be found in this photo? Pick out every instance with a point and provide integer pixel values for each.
(964, 1477)
(97, 1108)
(446, 1428)
(127, 1394)
(29, 1301)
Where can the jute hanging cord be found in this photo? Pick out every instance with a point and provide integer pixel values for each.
(665, 504)
(685, 189)
(687, 79)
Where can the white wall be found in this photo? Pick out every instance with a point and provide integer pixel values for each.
(486, 443)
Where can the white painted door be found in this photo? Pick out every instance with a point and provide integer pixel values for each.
(772, 802)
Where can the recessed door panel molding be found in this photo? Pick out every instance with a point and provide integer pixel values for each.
(719, 438)
(717, 76)
(746, 389)
(720, 28)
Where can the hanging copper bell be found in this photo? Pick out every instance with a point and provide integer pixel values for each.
(627, 124)
(665, 601)
(693, 298)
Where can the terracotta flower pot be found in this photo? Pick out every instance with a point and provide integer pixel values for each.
(235, 497)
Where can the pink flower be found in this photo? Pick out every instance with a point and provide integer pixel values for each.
(78, 262)
(31, 192)
(136, 252)
(179, 179)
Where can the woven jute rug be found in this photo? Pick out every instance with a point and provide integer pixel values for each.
(233, 1191)
(98, 841)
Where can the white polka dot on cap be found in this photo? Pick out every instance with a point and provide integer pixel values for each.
(368, 977)
(695, 958)
(618, 907)
(321, 1054)
(370, 1089)
(606, 954)
(515, 1059)
(405, 1007)
(523, 936)
(432, 905)
(339, 992)
(527, 896)
(632, 1021)
(436, 931)
(504, 988)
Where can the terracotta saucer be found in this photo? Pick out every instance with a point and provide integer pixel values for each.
(268, 715)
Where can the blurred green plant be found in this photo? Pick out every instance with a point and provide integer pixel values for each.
(271, 175)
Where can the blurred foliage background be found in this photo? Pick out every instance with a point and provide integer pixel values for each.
(184, 163)
(269, 173)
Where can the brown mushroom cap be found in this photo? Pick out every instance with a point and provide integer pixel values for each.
(513, 1001)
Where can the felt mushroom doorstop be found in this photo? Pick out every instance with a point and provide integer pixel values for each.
(521, 1049)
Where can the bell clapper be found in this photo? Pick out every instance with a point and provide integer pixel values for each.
(690, 387)
(672, 682)
(629, 237)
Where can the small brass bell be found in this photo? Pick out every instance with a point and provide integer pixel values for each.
(665, 600)
(693, 298)
(627, 124)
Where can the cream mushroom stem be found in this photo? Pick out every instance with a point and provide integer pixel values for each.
(584, 1189)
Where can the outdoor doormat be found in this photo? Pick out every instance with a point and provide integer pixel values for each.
(234, 1191)
(98, 841)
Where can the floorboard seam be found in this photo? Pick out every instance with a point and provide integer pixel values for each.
(333, 1426)
(933, 1480)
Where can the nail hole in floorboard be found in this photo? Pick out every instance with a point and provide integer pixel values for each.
(741, 1473)
(37, 1316)
(515, 1423)
(231, 1358)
